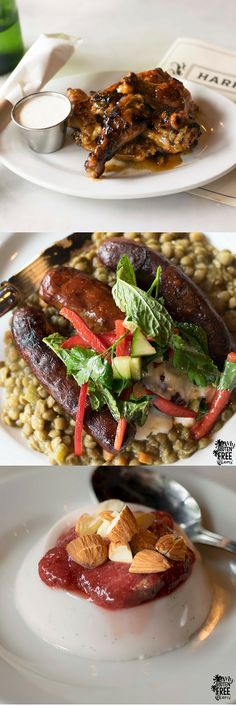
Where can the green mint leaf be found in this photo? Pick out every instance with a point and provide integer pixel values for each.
(191, 355)
(135, 409)
(120, 385)
(54, 341)
(149, 314)
(176, 342)
(95, 398)
(105, 397)
(197, 365)
(125, 270)
(82, 363)
(86, 366)
(194, 335)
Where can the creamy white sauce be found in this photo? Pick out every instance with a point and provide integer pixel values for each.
(156, 423)
(173, 382)
(42, 111)
(79, 627)
(185, 421)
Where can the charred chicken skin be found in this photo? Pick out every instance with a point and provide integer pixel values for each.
(144, 115)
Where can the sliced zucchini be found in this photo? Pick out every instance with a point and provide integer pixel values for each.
(140, 345)
(127, 368)
(136, 368)
(121, 367)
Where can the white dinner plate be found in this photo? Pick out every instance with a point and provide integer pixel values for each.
(32, 671)
(64, 171)
(16, 250)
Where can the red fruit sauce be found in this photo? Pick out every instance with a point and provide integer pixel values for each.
(111, 585)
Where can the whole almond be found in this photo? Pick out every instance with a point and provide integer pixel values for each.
(144, 539)
(89, 551)
(123, 527)
(148, 561)
(172, 546)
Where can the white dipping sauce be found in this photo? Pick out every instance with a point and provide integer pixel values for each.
(42, 111)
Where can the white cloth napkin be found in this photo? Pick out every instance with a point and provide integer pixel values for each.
(40, 63)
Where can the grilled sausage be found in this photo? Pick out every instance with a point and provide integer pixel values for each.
(183, 299)
(86, 296)
(29, 327)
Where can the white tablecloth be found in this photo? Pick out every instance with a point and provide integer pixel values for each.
(117, 35)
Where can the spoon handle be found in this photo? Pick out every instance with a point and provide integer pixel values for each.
(203, 536)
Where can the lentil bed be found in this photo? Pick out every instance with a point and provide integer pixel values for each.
(44, 424)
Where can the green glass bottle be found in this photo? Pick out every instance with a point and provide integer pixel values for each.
(11, 44)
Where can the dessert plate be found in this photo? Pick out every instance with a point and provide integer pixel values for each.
(32, 670)
(16, 251)
(63, 171)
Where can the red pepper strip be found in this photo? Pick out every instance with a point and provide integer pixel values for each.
(218, 404)
(107, 338)
(170, 408)
(74, 341)
(231, 357)
(84, 331)
(122, 423)
(80, 419)
(120, 331)
(120, 432)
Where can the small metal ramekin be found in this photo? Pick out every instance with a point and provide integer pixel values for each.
(46, 139)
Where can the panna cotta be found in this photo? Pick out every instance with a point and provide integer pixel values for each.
(114, 582)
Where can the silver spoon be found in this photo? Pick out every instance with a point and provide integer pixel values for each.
(146, 487)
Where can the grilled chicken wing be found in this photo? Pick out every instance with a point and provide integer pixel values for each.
(82, 118)
(143, 115)
(123, 124)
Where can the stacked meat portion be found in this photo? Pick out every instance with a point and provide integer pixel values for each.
(144, 115)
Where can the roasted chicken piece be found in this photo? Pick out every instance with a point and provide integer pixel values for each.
(88, 129)
(123, 124)
(140, 149)
(170, 141)
(143, 115)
